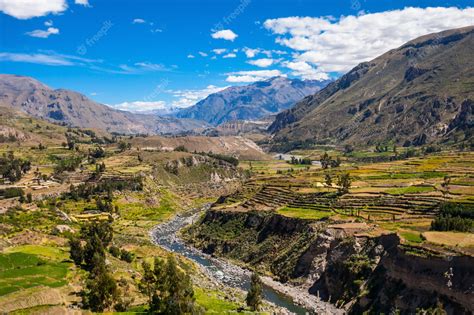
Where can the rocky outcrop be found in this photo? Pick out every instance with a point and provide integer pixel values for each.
(361, 273)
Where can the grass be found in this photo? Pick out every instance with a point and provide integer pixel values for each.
(456, 239)
(302, 213)
(48, 252)
(412, 236)
(410, 190)
(214, 302)
(422, 175)
(139, 210)
(22, 270)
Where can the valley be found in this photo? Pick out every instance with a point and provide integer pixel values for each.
(307, 191)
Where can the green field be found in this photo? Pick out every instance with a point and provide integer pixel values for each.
(304, 213)
(22, 270)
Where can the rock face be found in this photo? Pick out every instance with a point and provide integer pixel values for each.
(408, 94)
(74, 109)
(251, 102)
(374, 274)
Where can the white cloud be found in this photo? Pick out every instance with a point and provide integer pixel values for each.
(48, 23)
(141, 67)
(190, 56)
(203, 54)
(306, 71)
(138, 21)
(262, 63)
(36, 58)
(43, 33)
(140, 106)
(82, 2)
(219, 51)
(27, 9)
(252, 76)
(183, 99)
(224, 34)
(230, 55)
(252, 52)
(46, 58)
(337, 46)
(187, 98)
(156, 30)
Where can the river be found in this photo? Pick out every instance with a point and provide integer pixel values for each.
(165, 235)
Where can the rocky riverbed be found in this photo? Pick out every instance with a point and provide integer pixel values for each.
(286, 298)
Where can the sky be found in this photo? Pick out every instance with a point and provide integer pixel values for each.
(141, 55)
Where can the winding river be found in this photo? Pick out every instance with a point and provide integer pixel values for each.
(165, 235)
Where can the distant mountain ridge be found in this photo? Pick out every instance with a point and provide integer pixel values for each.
(419, 93)
(251, 102)
(64, 106)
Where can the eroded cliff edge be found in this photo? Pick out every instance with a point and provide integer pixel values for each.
(355, 270)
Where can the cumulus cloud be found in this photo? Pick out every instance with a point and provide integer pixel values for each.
(140, 106)
(182, 99)
(27, 9)
(190, 56)
(252, 76)
(252, 52)
(338, 45)
(187, 98)
(82, 2)
(138, 21)
(230, 55)
(263, 62)
(306, 71)
(224, 34)
(203, 54)
(48, 23)
(219, 51)
(43, 33)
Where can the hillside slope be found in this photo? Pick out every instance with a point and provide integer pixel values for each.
(419, 93)
(251, 102)
(74, 109)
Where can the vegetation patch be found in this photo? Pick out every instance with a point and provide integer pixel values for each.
(301, 213)
(410, 190)
(21, 270)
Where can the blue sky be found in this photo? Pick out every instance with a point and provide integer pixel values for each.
(152, 54)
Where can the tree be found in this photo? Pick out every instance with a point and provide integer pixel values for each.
(76, 250)
(168, 288)
(101, 291)
(344, 183)
(445, 186)
(328, 180)
(325, 160)
(124, 146)
(255, 294)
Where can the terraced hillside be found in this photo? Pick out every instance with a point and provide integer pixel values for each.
(399, 192)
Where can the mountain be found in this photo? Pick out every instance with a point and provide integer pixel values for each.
(421, 92)
(74, 109)
(251, 102)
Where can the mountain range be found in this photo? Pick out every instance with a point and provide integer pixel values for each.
(74, 109)
(251, 102)
(419, 93)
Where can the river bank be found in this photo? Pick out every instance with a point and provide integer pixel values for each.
(287, 299)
